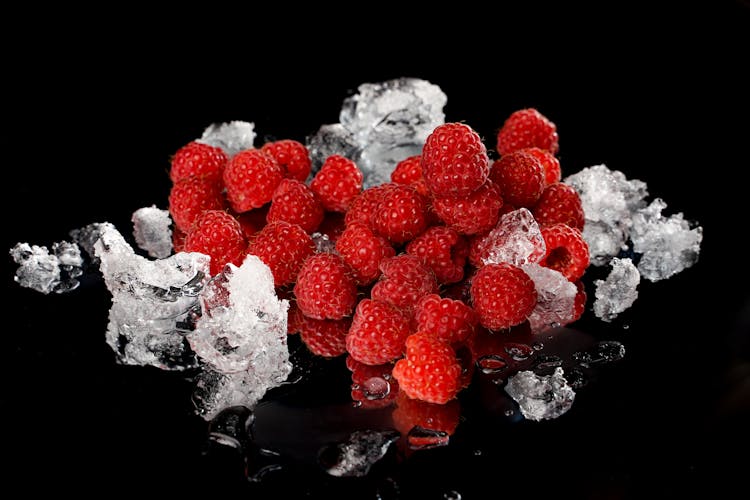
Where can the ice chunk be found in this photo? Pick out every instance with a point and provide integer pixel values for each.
(153, 302)
(329, 140)
(541, 397)
(516, 239)
(47, 272)
(151, 231)
(668, 244)
(618, 292)
(556, 298)
(215, 391)
(355, 456)
(232, 137)
(86, 236)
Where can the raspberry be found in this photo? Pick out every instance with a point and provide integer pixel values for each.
(520, 177)
(219, 235)
(178, 240)
(325, 288)
(409, 172)
(292, 156)
(410, 413)
(295, 203)
(283, 247)
(550, 164)
(363, 250)
(325, 337)
(337, 183)
(567, 251)
(401, 214)
(430, 371)
(559, 203)
(454, 160)
(198, 160)
(405, 280)
(527, 128)
(364, 206)
(503, 295)
(443, 250)
(378, 333)
(251, 177)
(372, 385)
(447, 320)
(474, 214)
(191, 197)
(579, 303)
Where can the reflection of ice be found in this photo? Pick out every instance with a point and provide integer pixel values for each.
(618, 292)
(151, 231)
(355, 456)
(47, 272)
(516, 239)
(541, 397)
(555, 298)
(232, 137)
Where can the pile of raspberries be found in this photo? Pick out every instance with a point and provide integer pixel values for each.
(399, 283)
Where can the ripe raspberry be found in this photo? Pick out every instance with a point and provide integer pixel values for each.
(473, 214)
(219, 235)
(292, 156)
(550, 164)
(373, 386)
(401, 214)
(559, 203)
(363, 250)
(198, 160)
(527, 128)
(178, 240)
(579, 303)
(295, 203)
(443, 250)
(409, 172)
(332, 225)
(447, 320)
(337, 183)
(520, 177)
(283, 247)
(378, 333)
(454, 160)
(191, 197)
(430, 371)
(251, 177)
(503, 295)
(325, 288)
(364, 206)
(405, 280)
(567, 251)
(325, 337)
(410, 413)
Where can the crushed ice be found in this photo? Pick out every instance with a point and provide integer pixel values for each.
(541, 397)
(516, 239)
(555, 298)
(618, 291)
(151, 231)
(47, 272)
(232, 137)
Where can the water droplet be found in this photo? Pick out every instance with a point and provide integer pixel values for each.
(584, 358)
(355, 387)
(420, 438)
(576, 378)
(519, 352)
(509, 413)
(610, 350)
(452, 495)
(492, 364)
(548, 361)
(538, 346)
(477, 453)
(498, 381)
(263, 472)
(356, 404)
(625, 327)
(376, 388)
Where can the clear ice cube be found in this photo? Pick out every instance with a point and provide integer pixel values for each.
(618, 291)
(232, 137)
(332, 139)
(541, 397)
(86, 236)
(47, 272)
(555, 298)
(355, 456)
(516, 239)
(151, 231)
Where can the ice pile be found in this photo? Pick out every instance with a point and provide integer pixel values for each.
(381, 125)
(151, 231)
(232, 137)
(541, 397)
(47, 272)
(618, 291)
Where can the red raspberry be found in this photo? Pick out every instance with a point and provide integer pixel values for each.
(527, 128)
(251, 177)
(363, 250)
(199, 160)
(405, 280)
(378, 333)
(325, 337)
(253, 221)
(454, 160)
(503, 295)
(295, 203)
(448, 320)
(410, 413)
(325, 288)
(219, 235)
(443, 250)
(191, 197)
(579, 303)
(337, 183)
(178, 240)
(332, 225)
(283, 247)
(373, 386)
(364, 206)
(567, 251)
(430, 371)
(559, 203)
(401, 214)
(473, 214)
(550, 164)
(409, 172)
(520, 177)
(292, 156)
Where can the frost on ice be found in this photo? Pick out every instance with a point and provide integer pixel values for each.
(151, 231)
(48, 272)
(355, 457)
(541, 397)
(619, 291)
(232, 137)
(555, 298)
(516, 239)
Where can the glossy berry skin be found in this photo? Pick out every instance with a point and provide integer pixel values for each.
(363, 250)
(567, 251)
(550, 164)
(325, 287)
(446, 319)
(527, 128)
(409, 172)
(251, 177)
(520, 177)
(283, 247)
(430, 371)
(192, 196)
(401, 214)
(363, 207)
(473, 214)
(503, 295)
(198, 160)
(292, 156)
(325, 337)
(559, 204)
(378, 333)
(295, 203)
(405, 280)
(337, 183)
(443, 250)
(219, 235)
(454, 160)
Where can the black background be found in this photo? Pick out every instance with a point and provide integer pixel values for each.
(94, 108)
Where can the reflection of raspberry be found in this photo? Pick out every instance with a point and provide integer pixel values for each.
(559, 203)
(295, 203)
(219, 235)
(405, 280)
(454, 160)
(550, 164)
(445, 319)
(372, 385)
(473, 214)
(527, 128)
(378, 333)
(409, 172)
(430, 371)
(520, 177)
(410, 413)
(292, 156)
(401, 214)
(337, 183)
(251, 177)
(364, 206)
(503, 295)
(283, 247)
(325, 288)
(443, 250)
(199, 160)
(325, 337)
(191, 197)
(363, 250)
(567, 251)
